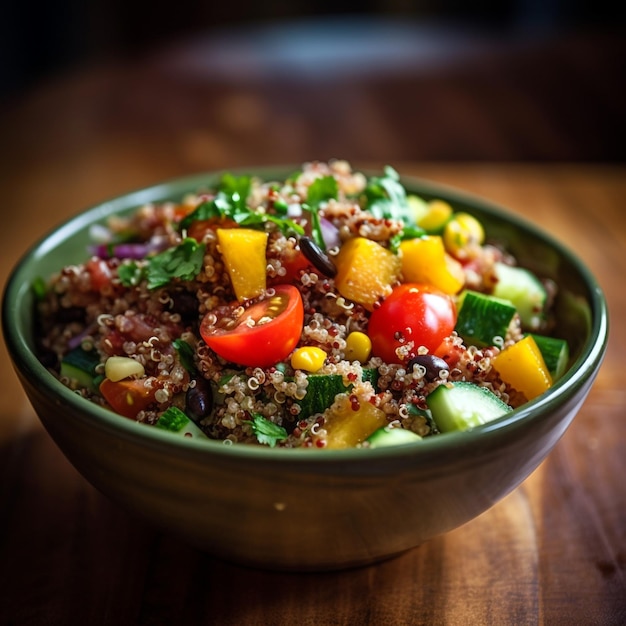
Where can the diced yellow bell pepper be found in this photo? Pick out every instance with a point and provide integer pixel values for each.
(424, 260)
(243, 250)
(347, 428)
(522, 366)
(366, 271)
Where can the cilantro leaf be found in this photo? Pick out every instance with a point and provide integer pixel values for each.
(385, 197)
(183, 261)
(185, 353)
(130, 274)
(321, 190)
(231, 202)
(266, 431)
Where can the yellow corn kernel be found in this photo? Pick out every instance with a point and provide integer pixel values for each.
(358, 347)
(438, 213)
(308, 358)
(522, 366)
(463, 235)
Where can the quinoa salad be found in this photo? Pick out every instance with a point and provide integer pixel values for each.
(331, 309)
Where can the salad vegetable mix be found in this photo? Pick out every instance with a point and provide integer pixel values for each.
(328, 310)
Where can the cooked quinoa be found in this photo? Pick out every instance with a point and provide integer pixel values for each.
(109, 306)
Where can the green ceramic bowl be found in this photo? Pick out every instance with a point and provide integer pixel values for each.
(309, 509)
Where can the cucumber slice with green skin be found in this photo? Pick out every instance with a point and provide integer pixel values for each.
(80, 365)
(482, 318)
(463, 405)
(555, 353)
(175, 421)
(384, 437)
(524, 290)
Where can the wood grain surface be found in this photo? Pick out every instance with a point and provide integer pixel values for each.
(552, 552)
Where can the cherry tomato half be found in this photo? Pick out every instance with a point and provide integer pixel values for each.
(128, 396)
(259, 334)
(411, 313)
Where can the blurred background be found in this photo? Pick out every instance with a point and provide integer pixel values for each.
(188, 85)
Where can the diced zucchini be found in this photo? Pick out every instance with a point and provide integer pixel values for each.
(555, 353)
(79, 366)
(481, 318)
(174, 420)
(323, 388)
(464, 405)
(386, 436)
(320, 393)
(524, 290)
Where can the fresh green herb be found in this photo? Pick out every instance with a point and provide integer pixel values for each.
(39, 288)
(183, 261)
(185, 353)
(321, 190)
(266, 431)
(385, 197)
(130, 274)
(230, 202)
(408, 232)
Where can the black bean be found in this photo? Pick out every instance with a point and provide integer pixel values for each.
(433, 365)
(185, 304)
(317, 257)
(67, 315)
(199, 400)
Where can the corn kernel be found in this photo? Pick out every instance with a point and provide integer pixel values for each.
(463, 235)
(308, 358)
(358, 347)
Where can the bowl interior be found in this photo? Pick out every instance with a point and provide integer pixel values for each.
(580, 306)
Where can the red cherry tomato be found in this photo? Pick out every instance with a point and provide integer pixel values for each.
(100, 273)
(411, 313)
(127, 397)
(260, 334)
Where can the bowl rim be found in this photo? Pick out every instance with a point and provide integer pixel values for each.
(582, 371)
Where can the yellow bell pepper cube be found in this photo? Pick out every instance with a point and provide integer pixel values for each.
(425, 260)
(366, 271)
(243, 251)
(522, 366)
(347, 428)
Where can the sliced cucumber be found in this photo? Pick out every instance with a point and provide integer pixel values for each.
(79, 366)
(555, 353)
(174, 420)
(386, 436)
(464, 405)
(481, 318)
(524, 290)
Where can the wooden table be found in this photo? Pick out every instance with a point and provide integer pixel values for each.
(552, 552)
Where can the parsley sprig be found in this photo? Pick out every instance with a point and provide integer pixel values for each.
(230, 202)
(266, 431)
(321, 190)
(385, 197)
(183, 261)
